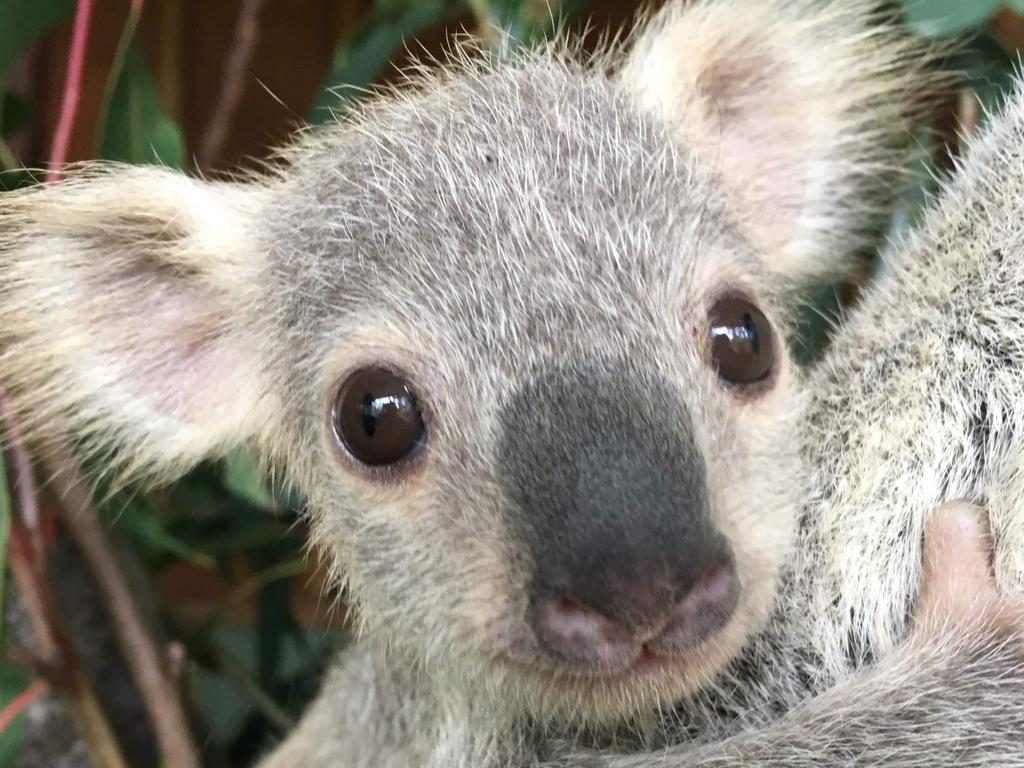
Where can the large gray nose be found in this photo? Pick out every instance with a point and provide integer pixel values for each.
(609, 495)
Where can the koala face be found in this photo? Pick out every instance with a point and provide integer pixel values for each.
(541, 376)
(517, 334)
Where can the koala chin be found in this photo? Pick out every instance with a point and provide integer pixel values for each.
(518, 333)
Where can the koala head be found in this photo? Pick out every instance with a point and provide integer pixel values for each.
(518, 334)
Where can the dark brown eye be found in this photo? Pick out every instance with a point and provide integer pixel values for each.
(742, 343)
(377, 419)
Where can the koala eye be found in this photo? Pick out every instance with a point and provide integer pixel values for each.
(742, 342)
(377, 419)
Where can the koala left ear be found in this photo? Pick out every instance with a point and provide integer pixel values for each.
(800, 109)
(130, 311)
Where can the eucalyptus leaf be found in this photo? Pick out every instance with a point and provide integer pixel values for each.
(15, 112)
(23, 22)
(255, 532)
(359, 60)
(942, 18)
(989, 70)
(13, 683)
(141, 521)
(138, 130)
(16, 179)
(243, 477)
(524, 23)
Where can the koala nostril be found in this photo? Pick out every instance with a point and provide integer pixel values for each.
(705, 609)
(576, 633)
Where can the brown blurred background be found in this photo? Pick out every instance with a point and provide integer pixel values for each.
(186, 43)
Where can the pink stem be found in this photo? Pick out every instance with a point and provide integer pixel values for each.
(72, 90)
(21, 702)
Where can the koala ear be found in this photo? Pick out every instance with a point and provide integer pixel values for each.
(799, 107)
(127, 314)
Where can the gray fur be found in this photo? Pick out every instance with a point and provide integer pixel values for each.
(490, 227)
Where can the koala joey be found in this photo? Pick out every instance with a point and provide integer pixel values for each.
(518, 335)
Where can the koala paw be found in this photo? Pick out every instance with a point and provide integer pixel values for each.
(959, 588)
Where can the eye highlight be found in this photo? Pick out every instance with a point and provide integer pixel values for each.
(741, 340)
(377, 419)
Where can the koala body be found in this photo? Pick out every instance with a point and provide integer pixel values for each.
(918, 401)
(518, 336)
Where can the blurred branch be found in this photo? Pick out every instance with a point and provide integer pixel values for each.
(236, 672)
(1008, 29)
(170, 71)
(124, 43)
(8, 160)
(72, 90)
(236, 67)
(54, 658)
(214, 656)
(969, 115)
(243, 592)
(488, 28)
(149, 664)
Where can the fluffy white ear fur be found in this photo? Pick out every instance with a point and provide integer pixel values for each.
(799, 107)
(125, 307)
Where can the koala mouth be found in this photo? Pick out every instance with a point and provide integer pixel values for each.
(586, 642)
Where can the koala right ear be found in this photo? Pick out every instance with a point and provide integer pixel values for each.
(129, 315)
(801, 108)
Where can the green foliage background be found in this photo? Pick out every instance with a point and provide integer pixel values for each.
(253, 681)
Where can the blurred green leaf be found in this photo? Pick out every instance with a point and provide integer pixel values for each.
(23, 22)
(942, 18)
(227, 688)
(989, 70)
(121, 52)
(13, 683)
(916, 196)
(142, 522)
(254, 532)
(510, 16)
(358, 61)
(16, 179)
(243, 477)
(138, 130)
(15, 112)
(524, 22)
(814, 322)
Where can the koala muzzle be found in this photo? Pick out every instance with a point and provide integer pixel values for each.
(610, 506)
